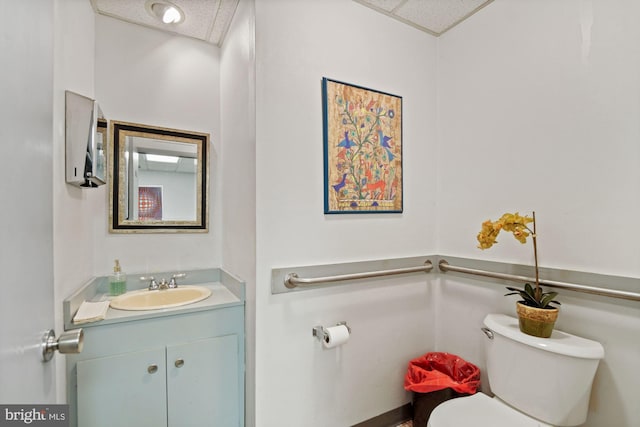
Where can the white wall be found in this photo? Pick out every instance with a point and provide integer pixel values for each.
(154, 78)
(237, 89)
(539, 110)
(297, 43)
(73, 208)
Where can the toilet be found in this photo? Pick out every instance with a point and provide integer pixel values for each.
(537, 382)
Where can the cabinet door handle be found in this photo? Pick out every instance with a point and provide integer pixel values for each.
(179, 363)
(152, 369)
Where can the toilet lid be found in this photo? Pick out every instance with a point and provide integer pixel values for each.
(479, 410)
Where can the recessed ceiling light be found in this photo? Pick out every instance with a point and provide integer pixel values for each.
(166, 12)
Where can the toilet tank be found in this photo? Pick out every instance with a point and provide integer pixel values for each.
(546, 378)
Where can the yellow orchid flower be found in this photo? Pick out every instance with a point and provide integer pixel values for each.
(515, 224)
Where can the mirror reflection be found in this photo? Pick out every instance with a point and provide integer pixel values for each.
(159, 179)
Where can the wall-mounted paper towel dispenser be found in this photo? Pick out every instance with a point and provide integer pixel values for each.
(86, 141)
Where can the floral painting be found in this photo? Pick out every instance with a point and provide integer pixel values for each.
(362, 149)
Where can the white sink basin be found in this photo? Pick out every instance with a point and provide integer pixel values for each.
(165, 298)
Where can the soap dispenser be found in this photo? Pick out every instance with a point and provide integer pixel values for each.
(117, 281)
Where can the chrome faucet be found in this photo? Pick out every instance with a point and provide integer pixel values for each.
(171, 284)
(153, 285)
(163, 284)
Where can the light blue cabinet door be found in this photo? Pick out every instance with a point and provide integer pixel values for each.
(123, 391)
(203, 380)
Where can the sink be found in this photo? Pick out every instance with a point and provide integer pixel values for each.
(152, 300)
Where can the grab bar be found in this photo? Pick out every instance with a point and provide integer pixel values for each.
(291, 280)
(444, 266)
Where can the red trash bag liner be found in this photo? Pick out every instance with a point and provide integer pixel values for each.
(436, 371)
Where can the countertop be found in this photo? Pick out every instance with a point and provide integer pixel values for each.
(226, 291)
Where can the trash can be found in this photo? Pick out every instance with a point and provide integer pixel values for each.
(436, 377)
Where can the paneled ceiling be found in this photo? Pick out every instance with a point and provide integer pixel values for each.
(432, 16)
(209, 20)
(206, 20)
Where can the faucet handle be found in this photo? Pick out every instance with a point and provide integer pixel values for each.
(153, 285)
(173, 283)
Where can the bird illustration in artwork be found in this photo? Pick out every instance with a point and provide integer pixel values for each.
(341, 184)
(384, 143)
(370, 105)
(346, 142)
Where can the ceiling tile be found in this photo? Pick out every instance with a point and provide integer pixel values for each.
(206, 20)
(220, 26)
(385, 5)
(438, 15)
(209, 20)
(432, 16)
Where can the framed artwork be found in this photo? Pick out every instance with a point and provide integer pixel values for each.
(150, 203)
(362, 149)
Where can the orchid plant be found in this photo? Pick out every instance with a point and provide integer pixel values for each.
(517, 225)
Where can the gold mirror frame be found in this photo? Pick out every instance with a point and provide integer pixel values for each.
(119, 213)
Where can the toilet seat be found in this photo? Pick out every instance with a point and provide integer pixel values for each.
(479, 410)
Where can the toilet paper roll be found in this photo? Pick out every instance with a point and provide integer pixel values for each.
(335, 336)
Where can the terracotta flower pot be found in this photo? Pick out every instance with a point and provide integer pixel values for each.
(535, 321)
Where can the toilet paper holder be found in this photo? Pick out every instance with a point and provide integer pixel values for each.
(321, 333)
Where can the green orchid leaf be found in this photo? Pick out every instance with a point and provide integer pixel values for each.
(545, 301)
(528, 289)
(528, 296)
(529, 299)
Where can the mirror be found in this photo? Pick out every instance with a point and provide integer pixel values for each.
(159, 179)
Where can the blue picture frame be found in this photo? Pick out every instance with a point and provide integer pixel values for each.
(362, 149)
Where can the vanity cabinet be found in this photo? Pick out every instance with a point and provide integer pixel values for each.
(118, 390)
(176, 370)
(189, 384)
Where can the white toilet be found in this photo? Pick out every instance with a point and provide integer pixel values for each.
(537, 382)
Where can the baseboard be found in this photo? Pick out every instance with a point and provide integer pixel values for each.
(389, 419)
